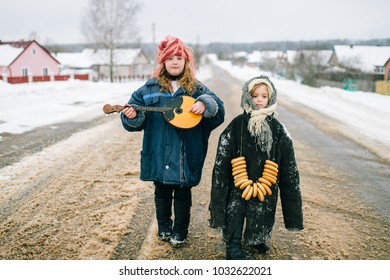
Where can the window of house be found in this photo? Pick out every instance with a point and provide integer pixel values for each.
(379, 70)
(24, 72)
(33, 51)
(45, 72)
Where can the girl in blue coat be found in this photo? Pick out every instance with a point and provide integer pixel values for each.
(173, 157)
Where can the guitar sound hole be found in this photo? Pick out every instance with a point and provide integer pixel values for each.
(178, 110)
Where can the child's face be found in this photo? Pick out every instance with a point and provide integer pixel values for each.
(260, 96)
(175, 65)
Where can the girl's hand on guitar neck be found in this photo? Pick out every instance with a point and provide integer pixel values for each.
(129, 112)
(198, 108)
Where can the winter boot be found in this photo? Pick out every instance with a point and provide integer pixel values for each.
(182, 208)
(262, 248)
(234, 249)
(163, 205)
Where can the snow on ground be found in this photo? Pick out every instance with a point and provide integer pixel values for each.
(27, 106)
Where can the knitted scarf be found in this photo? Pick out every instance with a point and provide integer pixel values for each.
(258, 126)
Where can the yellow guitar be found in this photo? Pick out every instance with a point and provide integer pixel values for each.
(176, 111)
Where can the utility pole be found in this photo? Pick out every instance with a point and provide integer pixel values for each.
(154, 32)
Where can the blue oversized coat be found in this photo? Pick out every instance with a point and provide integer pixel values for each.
(172, 155)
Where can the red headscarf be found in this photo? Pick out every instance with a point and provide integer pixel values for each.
(169, 47)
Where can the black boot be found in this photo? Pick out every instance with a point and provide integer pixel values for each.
(262, 248)
(164, 221)
(234, 249)
(163, 203)
(182, 209)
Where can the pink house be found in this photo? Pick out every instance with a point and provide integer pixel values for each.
(20, 61)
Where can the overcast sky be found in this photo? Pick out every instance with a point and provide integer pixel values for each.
(206, 21)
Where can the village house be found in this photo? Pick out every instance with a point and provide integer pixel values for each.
(367, 59)
(274, 61)
(128, 64)
(26, 61)
(383, 87)
(320, 58)
(387, 70)
(366, 64)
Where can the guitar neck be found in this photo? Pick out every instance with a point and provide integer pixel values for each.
(149, 109)
(176, 111)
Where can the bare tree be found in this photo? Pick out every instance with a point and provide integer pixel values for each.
(108, 24)
(33, 36)
(309, 64)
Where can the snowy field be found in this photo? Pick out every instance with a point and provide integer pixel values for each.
(27, 106)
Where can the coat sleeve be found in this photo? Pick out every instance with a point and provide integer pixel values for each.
(289, 186)
(215, 110)
(135, 124)
(221, 178)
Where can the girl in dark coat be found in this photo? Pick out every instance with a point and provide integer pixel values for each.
(249, 197)
(173, 157)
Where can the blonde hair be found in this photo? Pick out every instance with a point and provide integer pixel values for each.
(187, 80)
(258, 85)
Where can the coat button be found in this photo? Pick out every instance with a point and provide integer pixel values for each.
(166, 166)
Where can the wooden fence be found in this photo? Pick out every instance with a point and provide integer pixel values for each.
(383, 87)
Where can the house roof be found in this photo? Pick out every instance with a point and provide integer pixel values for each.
(387, 62)
(240, 54)
(75, 59)
(8, 54)
(17, 44)
(322, 57)
(365, 58)
(260, 56)
(90, 57)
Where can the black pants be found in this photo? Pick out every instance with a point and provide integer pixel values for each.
(182, 202)
(235, 240)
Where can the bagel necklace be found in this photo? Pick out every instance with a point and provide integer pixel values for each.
(259, 188)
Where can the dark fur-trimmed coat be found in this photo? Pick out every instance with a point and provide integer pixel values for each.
(227, 208)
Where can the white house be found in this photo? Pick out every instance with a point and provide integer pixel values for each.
(258, 58)
(368, 59)
(129, 64)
